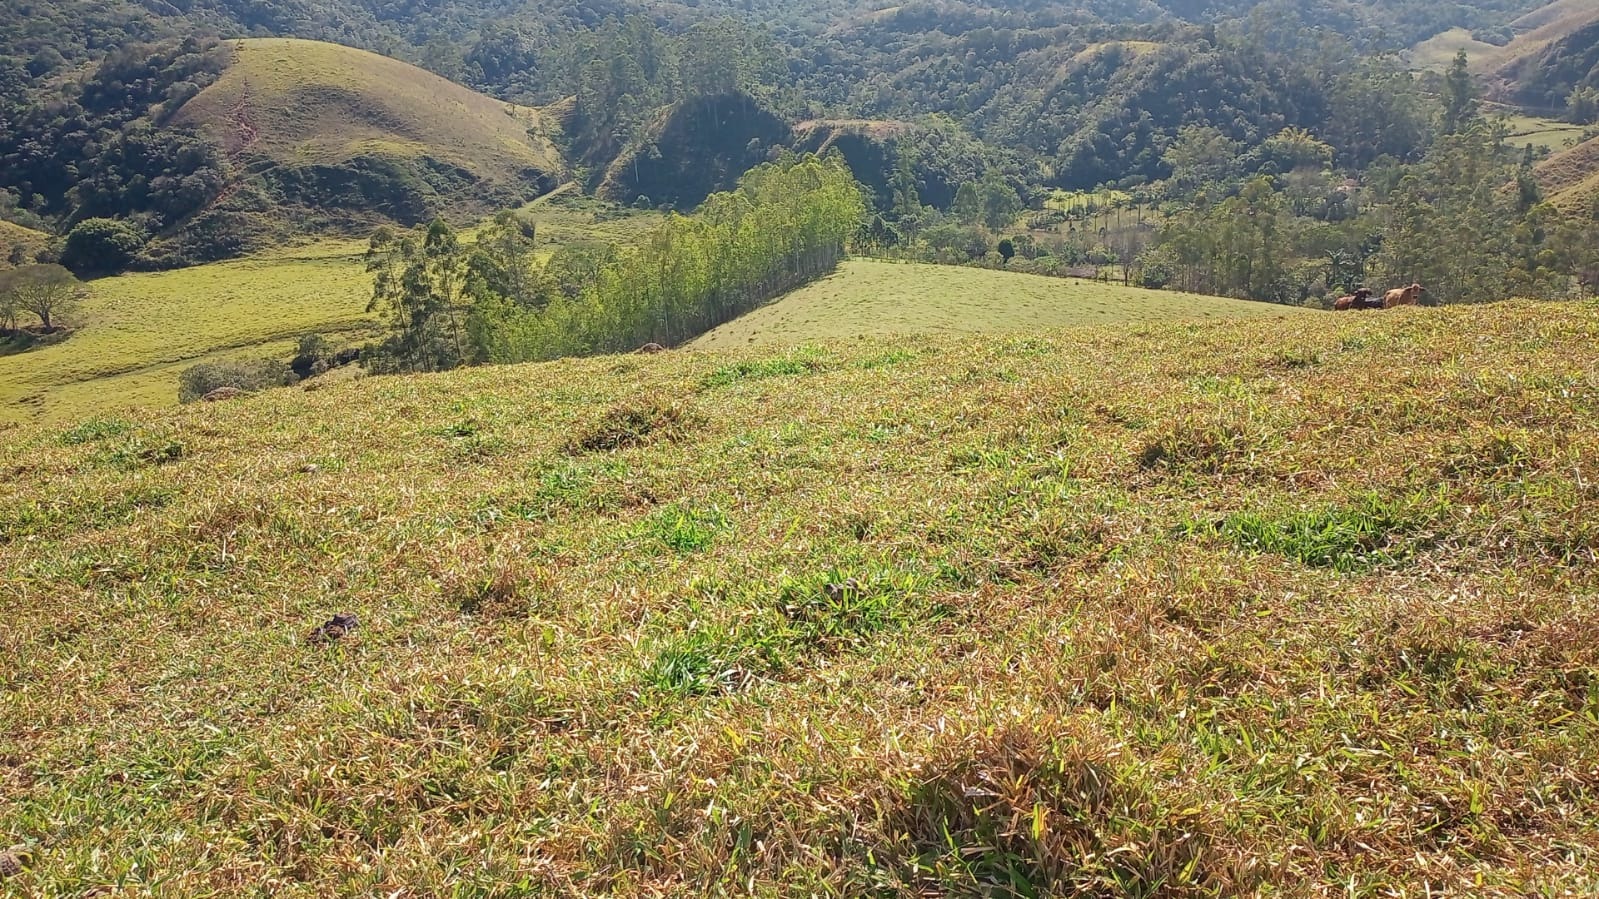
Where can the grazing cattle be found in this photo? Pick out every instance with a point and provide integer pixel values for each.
(1360, 299)
(1403, 296)
(649, 348)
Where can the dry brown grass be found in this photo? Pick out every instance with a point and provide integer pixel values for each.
(909, 619)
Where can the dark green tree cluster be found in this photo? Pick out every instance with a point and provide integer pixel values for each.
(104, 149)
(1467, 222)
(449, 304)
(623, 72)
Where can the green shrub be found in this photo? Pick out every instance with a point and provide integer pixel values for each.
(101, 246)
(245, 374)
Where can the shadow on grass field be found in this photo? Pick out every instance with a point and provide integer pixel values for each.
(1294, 606)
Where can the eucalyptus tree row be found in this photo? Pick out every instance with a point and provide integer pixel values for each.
(785, 225)
(448, 304)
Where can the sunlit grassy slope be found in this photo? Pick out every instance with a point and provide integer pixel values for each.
(1299, 606)
(296, 104)
(1534, 32)
(137, 332)
(13, 237)
(871, 298)
(1570, 179)
(1437, 52)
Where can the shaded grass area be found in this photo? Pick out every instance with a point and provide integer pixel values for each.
(868, 298)
(929, 617)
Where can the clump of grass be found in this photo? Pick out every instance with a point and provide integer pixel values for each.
(839, 611)
(888, 360)
(634, 423)
(496, 589)
(1030, 811)
(1296, 358)
(824, 614)
(94, 430)
(142, 449)
(799, 362)
(686, 530)
(702, 663)
(470, 442)
(1370, 532)
(1229, 439)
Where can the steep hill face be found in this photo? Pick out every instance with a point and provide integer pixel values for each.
(19, 245)
(345, 137)
(696, 148)
(1546, 70)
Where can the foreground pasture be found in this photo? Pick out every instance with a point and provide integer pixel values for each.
(1298, 606)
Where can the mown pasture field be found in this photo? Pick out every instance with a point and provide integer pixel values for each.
(872, 298)
(1299, 605)
(137, 332)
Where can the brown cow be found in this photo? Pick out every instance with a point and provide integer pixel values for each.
(1360, 299)
(1403, 296)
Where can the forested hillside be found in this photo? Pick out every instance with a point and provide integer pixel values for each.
(981, 130)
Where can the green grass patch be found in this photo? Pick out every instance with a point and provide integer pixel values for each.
(1370, 532)
(798, 363)
(685, 530)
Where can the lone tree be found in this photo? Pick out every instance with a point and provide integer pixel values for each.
(47, 291)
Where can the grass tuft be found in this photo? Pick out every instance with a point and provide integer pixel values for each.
(95, 430)
(635, 423)
(1032, 810)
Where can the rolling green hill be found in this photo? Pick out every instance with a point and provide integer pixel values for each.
(348, 137)
(871, 298)
(1291, 606)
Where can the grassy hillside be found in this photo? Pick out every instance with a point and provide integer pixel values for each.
(1570, 179)
(360, 136)
(1535, 31)
(1291, 606)
(17, 241)
(871, 298)
(1435, 53)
